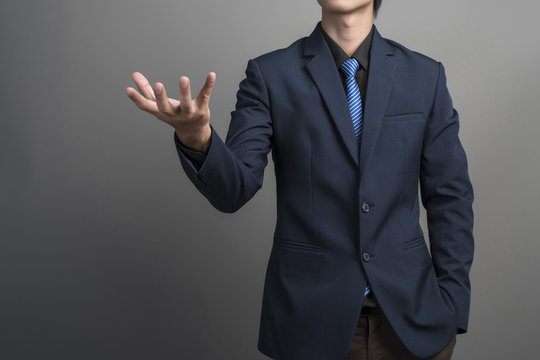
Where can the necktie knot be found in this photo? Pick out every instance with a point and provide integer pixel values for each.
(349, 67)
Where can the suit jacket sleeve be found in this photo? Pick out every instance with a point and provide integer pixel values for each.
(447, 195)
(196, 157)
(233, 170)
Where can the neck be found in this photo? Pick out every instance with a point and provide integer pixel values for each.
(348, 30)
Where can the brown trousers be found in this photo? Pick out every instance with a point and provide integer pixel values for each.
(374, 339)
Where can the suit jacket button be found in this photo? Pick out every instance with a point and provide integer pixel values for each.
(366, 256)
(365, 207)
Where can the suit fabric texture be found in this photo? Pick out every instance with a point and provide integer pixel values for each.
(348, 215)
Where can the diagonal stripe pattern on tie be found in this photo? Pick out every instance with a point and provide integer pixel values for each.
(367, 290)
(349, 68)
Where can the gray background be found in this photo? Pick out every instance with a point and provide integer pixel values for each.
(107, 250)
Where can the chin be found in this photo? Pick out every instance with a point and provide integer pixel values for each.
(343, 6)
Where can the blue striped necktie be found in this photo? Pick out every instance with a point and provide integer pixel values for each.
(349, 68)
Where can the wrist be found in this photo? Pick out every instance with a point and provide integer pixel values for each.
(199, 140)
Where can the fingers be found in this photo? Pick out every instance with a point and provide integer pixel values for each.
(143, 85)
(185, 95)
(141, 102)
(162, 100)
(206, 91)
(155, 100)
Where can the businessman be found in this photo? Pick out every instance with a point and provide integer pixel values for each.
(354, 122)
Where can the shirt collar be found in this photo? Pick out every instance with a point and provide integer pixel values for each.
(361, 54)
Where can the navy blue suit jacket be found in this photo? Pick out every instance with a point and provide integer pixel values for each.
(348, 215)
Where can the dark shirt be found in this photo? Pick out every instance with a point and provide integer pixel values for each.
(361, 54)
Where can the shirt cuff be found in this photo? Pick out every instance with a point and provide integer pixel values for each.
(197, 157)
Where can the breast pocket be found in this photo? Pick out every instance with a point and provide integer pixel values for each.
(403, 118)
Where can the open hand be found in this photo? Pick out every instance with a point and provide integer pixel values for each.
(190, 118)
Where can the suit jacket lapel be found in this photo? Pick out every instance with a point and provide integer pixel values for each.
(382, 67)
(324, 73)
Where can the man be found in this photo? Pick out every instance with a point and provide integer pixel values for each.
(354, 122)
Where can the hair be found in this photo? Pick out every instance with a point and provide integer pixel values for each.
(376, 6)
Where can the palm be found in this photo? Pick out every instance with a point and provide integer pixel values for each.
(155, 101)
